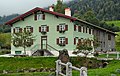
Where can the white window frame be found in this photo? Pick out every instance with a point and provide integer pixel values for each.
(39, 16)
(43, 28)
(62, 40)
(28, 28)
(62, 27)
(17, 29)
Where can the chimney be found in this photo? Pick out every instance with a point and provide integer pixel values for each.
(68, 11)
(51, 8)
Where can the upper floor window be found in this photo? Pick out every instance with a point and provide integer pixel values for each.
(39, 16)
(109, 37)
(28, 29)
(62, 41)
(62, 27)
(17, 30)
(77, 28)
(44, 29)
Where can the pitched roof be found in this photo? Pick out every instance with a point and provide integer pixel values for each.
(54, 13)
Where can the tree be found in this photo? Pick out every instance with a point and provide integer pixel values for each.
(84, 47)
(60, 7)
(24, 39)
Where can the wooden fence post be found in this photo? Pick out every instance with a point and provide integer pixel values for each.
(58, 67)
(83, 71)
(68, 69)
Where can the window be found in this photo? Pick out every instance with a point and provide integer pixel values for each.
(62, 41)
(44, 29)
(39, 16)
(62, 27)
(29, 42)
(109, 37)
(28, 29)
(77, 28)
(17, 30)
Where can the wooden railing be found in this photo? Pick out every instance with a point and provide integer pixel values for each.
(52, 47)
(69, 67)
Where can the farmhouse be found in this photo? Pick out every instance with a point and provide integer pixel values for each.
(55, 31)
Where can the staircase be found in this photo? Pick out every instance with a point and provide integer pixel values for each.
(50, 51)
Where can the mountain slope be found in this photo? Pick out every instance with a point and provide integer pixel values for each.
(104, 9)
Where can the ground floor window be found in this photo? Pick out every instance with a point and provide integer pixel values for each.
(17, 52)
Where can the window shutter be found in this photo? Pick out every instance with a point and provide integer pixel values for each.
(57, 41)
(74, 27)
(74, 41)
(79, 28)
(31, 29)
(66, 27)
(20, 30)
(90, 43)
(24, 29)
(32, 41)
(43, 16)
(66, 40)
(79, 41)
(14, 30)
(83, 30)
(89, 31)
(35, 16)
(57, 27)
(47, 28)
(86, 29)
(39, 29)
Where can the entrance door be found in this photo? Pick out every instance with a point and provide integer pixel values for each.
(43, 42)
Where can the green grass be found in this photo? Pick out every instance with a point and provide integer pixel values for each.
(49, 62)
(117, 23)
(109, 56)
(26, 62)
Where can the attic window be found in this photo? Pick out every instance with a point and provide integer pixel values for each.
(39, 16)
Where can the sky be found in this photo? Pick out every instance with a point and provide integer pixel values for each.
(8, 7)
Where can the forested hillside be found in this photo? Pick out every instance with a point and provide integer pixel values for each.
(4, 19)
(103, 9)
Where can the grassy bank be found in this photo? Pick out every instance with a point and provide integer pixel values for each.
(36, 62)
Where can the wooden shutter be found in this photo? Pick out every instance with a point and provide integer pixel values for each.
(57, 41)
(74, 27)
(20, 30)
(86, 29)
(57, 27)
(83, 29)
(31, 29)
(66, 27)
(66, 40)
(79, 41)
(74, 41)
(35, 16)
(24, 29)
(79, 28)
(31, 41)
(14, 30)
(39, 29)
(89, 31)
(43, 16)
(47, 29)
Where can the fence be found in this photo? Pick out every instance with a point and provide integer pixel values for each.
(69, 67)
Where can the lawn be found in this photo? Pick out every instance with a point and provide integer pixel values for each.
(49, 62)
(117, 23)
